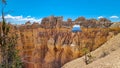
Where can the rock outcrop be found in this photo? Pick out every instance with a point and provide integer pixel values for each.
(106, 56)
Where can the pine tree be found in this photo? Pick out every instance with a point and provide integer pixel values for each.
(8, 52)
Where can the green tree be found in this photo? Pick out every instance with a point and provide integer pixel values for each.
(8, 52)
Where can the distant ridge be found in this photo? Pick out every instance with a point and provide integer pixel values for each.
(115, 25)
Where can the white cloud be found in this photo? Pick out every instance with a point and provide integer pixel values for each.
(100, 17)
(21, 19)
(76, 26)
(114, 17)
(13, 17)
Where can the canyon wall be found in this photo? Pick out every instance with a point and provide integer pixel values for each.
(52, 48)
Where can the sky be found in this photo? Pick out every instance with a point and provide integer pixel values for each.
(20, 11)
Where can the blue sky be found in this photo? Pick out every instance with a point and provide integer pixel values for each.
(38, 9)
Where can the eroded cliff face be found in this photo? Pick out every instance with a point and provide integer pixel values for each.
(101, 56)
(51, 44)
(52, 48)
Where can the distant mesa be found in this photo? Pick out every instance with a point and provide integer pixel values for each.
(115, 25)
(76, 28)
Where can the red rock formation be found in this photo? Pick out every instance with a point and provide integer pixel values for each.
(51, 48)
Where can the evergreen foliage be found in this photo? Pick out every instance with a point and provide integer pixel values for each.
(8, 53)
